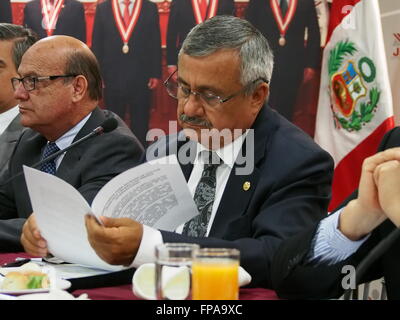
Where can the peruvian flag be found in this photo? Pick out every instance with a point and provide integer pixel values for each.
(355, 102)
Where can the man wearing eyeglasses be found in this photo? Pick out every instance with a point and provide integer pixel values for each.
(222, 87)
(14, 41)
(58, 88)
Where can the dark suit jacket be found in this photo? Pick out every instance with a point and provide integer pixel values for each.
(181, 20)
(8, 139)
(87, 167)
(71, 21)
(5, 11)
(121, 72)
(290, 190)
(293, 278)
(291, 59)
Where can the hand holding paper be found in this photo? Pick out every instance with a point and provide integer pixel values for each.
(154, 193)
(32, 240)
(106, 239)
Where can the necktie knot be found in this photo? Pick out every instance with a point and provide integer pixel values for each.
(50, 148)
(49, 166)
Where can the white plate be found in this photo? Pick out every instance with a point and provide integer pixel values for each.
(60, 284)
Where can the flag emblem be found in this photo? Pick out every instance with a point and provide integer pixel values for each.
(354, 97)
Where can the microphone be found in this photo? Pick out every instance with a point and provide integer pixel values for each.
(107, 126)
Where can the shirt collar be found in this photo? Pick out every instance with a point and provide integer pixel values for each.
(66, 139)
(227, 153)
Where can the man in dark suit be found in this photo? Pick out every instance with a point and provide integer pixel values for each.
(5, 11)
(367, 217)
(14, 41)
(129, 54)
(58, 92)
(183, 16)
(56, 17)
(286, 27)
(273, 181)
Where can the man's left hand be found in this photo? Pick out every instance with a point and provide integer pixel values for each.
(116, 241)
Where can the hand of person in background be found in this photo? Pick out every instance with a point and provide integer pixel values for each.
(365, 213)
(153, 83)
(309, 74)
(116, 241)
(387, 179)
(31, 239)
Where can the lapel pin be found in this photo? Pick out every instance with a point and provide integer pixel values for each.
(246, 185)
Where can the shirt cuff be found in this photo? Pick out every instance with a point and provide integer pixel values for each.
(146, 253)
(330, 245)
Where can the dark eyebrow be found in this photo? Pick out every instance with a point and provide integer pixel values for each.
(201, 88)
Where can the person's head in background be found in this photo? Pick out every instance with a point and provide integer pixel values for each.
(14, 41)
(224, 67)
(59, 85)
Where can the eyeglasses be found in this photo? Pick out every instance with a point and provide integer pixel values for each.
(178, 91)
(29, 82)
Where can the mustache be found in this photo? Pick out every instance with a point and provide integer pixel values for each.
(195, 121)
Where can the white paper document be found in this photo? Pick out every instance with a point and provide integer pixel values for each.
(154, 193)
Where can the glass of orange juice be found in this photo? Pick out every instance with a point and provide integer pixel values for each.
(215, 274)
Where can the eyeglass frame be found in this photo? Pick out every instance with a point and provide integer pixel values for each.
(201, 95)
(37, 79)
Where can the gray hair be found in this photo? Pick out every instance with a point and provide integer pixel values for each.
(22, 39)
(228, 32)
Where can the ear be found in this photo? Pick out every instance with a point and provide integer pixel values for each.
(79, 87)
(259, 96)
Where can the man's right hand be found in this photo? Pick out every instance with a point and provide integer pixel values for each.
(365, 213)
(32, 240)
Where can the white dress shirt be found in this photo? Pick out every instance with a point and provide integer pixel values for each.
(67, 138)
(228, 154)
(7, 117)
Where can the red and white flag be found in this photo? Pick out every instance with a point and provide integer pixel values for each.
(355, 102)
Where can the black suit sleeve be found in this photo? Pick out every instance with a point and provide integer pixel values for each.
(228, 7)
(173, 33)
(98, 32)
(5, 11)
(313, 48)
(78, 22)
(253, 10)
(294, 278)
(154, 41)
(27, 18)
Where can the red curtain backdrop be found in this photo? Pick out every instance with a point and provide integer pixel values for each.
(163, 106)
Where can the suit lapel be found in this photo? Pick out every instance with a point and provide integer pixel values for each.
(240, 188)
(186, 150)
(72, 157)
(12, 132)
